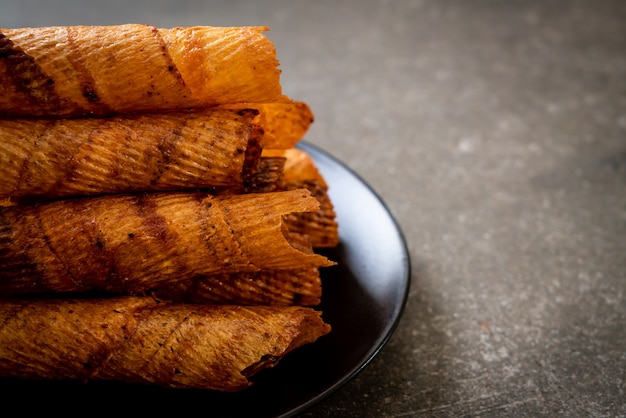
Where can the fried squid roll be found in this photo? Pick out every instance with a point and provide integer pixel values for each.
(69, 71)
(131, 243)
(168, 151)
(142, 340)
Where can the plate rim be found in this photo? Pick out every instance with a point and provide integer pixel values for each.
(392, 325)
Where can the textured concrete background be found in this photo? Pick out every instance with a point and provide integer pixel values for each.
(495, 131)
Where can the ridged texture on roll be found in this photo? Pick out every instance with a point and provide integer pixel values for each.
(284, 123)
(300, 287)
(69, 71)
(130, 243)
(169, 151)
(139, 340)
(300, 172)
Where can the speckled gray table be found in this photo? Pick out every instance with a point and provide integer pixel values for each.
(495, 131)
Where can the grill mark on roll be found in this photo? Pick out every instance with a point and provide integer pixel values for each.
(68, 274)
(168, 143)
(156, 226)
(253, 150)
(106, 274)
(25, 169)
(14, 268)
(171, 65)
(85, 78)
(27, 77)
(147, 210)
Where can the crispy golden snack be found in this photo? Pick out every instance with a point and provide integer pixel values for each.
(168, 151)
(320, 225)
(131, 243)
(300, 172)
(284, 123)
(299, 287)
(299, 166)
(102, 70)
(267, 178)
(139, 340)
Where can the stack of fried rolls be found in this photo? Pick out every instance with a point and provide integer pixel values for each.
(158, 224)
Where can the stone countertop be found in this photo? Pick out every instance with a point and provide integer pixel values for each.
(496, 134)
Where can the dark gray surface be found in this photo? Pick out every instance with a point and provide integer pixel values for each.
(495, 131)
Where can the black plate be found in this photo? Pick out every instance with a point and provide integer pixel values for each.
(363, 299)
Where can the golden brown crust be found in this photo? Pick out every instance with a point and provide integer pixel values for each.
(245, 214)
(299, 287)
(167, 151)
(320, 225)
(267, 178)
(101, 70)
(300, 172)
(130, 243)
(284, 123)
(135, 339)
(299, 166)
(220, 233)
